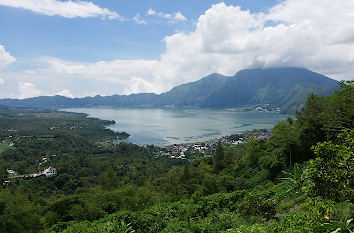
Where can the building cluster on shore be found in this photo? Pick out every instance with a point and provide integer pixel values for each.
(185, 150)
(255, 108)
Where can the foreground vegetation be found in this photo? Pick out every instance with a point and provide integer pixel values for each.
(300, 180)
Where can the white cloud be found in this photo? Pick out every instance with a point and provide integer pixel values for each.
(5, 58)
(27, 90)
(227, 39)
(138, 85)
(67, 9)
(151, 12)
(316, 34)
(178, 16)
(65, 93)
(171, 17)
(137, 18)
(116, 71)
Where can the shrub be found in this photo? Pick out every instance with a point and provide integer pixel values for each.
(331, 173)
(257, 205)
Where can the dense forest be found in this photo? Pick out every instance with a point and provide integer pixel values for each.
(300, 180)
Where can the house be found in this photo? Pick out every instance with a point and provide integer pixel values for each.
(50, 172)
(11, 173)
(6, 183)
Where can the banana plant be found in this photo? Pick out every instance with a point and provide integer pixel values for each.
(297, 178)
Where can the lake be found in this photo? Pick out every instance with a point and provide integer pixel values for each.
(163, 126)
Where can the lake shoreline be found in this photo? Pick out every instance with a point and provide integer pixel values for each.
(163, 126)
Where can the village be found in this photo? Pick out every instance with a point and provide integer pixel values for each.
(255, 108)
(193, 150)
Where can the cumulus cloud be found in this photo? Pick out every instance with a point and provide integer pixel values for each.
(67, 9)
(315, 34)
(138, 19)
(65, 93)
(116, 71)
(138, 85)
(27, 90)
(178, 16)
(171, 17)
(151, 12)
(5, 58)
(82, 79)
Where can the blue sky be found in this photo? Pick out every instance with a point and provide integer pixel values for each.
(79, 48)
(27, 34)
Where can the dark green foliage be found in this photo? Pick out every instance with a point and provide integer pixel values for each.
(310, 124)
(257, 205)
(285, 138)
(108, 179)
(331, 172)
(218, 158)
(296, 178)
(339, 111)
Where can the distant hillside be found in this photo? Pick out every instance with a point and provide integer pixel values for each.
(280, 87)
(284, 88)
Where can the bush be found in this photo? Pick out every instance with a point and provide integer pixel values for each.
(177, 227)
(257, 205)
(331, 173)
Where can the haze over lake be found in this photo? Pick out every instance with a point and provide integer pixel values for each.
(163, 126)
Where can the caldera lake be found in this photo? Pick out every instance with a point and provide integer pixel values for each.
(165, 126)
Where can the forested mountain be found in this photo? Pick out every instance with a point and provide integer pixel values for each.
(285, 88)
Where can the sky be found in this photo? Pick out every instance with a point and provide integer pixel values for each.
(105, 47)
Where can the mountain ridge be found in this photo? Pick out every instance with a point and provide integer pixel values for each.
(286, 88)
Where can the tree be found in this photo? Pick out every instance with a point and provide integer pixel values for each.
(219, 162)
(338, 113)
(331, 173)
(309, 123)
(253, 152)
(285, 136)
(108, 179)
(172, 182)
(185, 179)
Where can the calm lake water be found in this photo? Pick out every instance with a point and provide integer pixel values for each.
(163, 126)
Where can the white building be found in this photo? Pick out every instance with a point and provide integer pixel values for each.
(11, 173)
(50, 172)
